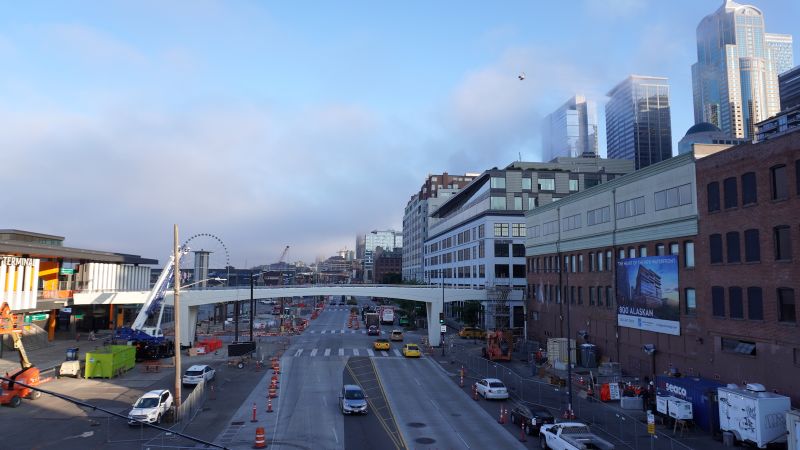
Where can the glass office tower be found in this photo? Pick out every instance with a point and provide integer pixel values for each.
(735, 78)
(571, 130)
(638, 122)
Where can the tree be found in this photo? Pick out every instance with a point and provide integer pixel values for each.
(470, 312)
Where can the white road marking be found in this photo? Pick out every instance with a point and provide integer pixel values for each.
(314, 352)
(327, 352)
(419, 384)
(298, 352)
(336, 436)
(355, 351)
(397, 352)
(323, 331)
(324, 401)
(385, 353)
(370, 352)
(341, 352)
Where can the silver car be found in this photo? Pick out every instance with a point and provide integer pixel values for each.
(353, 400)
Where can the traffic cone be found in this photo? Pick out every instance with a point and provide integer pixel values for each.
(522, 437)
(254, 413)
(474, 392)
(269, 405)
(261, 440)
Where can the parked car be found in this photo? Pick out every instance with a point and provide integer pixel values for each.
(411, 351)
(571, 436)
(373, 331)
(353, 400)
(381, 344)
(470, 332)
(151, 407)
(396, 335)
(197, 373)
(530, 418)
(492, 388)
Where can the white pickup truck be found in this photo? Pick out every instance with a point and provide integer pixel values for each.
(571, 436)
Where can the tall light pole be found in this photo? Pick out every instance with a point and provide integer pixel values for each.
(176, 277)
(252, 306)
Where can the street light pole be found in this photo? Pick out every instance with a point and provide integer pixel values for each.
(176, 277)
(252, 306)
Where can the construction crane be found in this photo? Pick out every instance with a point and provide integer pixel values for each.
(12, 393)
(283, 255)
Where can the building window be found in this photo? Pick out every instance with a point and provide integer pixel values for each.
(517, 203)
(643, 251)
(670, 198)
(691, 301)
(501, 271)
(547, 184)
(608, 259)
(718, 301)
(609, 299)
(517, 230)
(574, 264)
(712, 191)
(755, 304)
(498, 182)
(715, 248)
(571, 223)
(591, 295)
(631, 252)
(572, 295)
(735, 302)
(518, 250)
(780, 185)
(518, 270)
(674, 248)
(580, 295)
(749, 190)
(591, 262)
(732, 243)
(599, 296)
(600, 257)
(630, 208)
(531, 202)
(688, 253)
(580, 262)
(599, 215)
(736, 346)
(783, 244)
(481, 231)
(497, 203)
(573, 185)
(501, 230)
(482, 271)
(752, 247)
(786, 305)
(731, 193)
(660, 250)
(526, 184)
(501, 249)
(622, 253)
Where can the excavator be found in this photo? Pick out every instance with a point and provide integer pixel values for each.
(12, 393)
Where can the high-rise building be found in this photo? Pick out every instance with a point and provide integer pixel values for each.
(735, 78)
(789, 86)
(387, 240)
(437, 189)
(638, 123)
(571, 130)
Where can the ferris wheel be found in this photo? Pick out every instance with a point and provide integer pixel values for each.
(207, 255)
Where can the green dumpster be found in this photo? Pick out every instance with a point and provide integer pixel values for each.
(110, 361)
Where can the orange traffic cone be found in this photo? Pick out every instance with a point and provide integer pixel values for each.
(261, 440)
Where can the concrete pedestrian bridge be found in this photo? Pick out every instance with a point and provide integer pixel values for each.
(433, 296)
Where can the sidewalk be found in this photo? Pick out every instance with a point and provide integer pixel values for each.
(50, 356)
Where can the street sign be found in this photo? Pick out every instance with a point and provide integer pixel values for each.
(67, 271)
(651, 422)
(444, 328)
(34, 317)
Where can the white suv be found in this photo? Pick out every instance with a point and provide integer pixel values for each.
(150, 407)
(197, 373)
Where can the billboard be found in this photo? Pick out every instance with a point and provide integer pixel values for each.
(647, 294)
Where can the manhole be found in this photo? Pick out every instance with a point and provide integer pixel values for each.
(424, 440)
(237, 423)
(417, 425)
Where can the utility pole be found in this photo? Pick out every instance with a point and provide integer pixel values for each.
(176, 284)
(252, 306)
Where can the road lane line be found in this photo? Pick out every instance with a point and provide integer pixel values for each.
(298, 352)
(355, 352)
(335, 436)
(420, 384)
(397, 352)
(370, 352)
(314, 352)
(327, 352)
(385, 353)
(323, 331)
(341, 352)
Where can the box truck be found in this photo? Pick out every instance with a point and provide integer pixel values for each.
(752, 414)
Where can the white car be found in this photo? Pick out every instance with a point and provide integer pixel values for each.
(197, 373)
(150, 407)
(492, 388)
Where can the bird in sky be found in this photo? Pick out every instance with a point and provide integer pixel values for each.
(521, 76)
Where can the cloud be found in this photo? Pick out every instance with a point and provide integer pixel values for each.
(614, 9)
(91, 45)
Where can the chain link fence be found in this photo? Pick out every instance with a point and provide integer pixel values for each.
(624, 429)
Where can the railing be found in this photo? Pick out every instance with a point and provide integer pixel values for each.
(625, 430)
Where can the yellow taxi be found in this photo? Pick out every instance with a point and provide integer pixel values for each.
(381, 344)
(396, 335)
(411, 351)
(470, 332)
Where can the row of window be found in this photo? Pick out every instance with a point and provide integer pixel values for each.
(550, 293)
(501, 250)
(781, 240)
(779, 188)
(601, 260)
(478, 271)
(735, 307)
(500, 230)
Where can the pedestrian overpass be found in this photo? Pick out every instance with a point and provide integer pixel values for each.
(191, 299)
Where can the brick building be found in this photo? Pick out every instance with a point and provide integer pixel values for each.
(748, 252)
(388, 266)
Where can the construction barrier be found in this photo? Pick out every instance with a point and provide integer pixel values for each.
(261, 440)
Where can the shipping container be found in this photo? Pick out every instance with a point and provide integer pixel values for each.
(110, 361)
(700, 392)
(557, 350)
(752, 414)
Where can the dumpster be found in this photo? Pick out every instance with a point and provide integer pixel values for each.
(110, 361)
(700, 392)
(72, 354)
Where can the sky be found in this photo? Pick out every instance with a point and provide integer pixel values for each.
(269, 124)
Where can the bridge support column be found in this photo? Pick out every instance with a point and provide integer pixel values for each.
(188, 318)
(433, 309)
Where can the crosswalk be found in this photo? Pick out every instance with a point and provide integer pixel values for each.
(342, 331)
(318, 352)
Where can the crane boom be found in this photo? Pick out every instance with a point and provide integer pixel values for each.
(283, 255)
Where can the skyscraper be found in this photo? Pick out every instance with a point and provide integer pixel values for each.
(571, 130)
(638, 123)
(735, 78)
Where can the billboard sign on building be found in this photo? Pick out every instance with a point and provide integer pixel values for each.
(647, 294)
(19, 282)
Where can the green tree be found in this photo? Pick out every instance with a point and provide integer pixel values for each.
(470, 312)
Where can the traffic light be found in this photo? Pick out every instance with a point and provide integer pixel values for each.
(441, 318)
